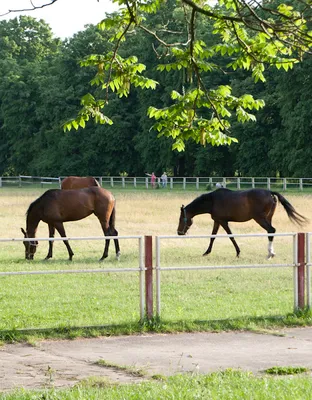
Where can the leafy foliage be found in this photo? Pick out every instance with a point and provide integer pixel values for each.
(42, 81)
(251, 35)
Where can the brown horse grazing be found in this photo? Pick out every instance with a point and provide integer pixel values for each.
(56, 206)
(79, 182)
(226, 205)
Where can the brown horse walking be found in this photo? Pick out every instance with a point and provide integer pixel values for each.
(226, 205)
(79, 182)
(56, 206)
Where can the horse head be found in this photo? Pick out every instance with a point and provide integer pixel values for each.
(184, 222)
(30, 246)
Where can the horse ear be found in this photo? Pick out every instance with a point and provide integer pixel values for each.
(182, 207)
(23, 232)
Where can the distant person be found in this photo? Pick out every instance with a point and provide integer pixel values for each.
(164, 180)
(153, 179)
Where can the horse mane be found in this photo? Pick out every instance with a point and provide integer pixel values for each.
(37, 201)
(200, 199)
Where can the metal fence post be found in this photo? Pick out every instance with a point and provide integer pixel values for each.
(301, 270)
(308, 270)
(149, 276)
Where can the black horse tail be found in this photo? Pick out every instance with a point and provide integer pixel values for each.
(293, 215)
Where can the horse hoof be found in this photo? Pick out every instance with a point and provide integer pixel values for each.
(271, 256)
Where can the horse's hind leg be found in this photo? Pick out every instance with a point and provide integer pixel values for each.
(60, 228)
(265, 224)
(106, 231)
(116, 242)
(110, 232)
(105, 254)
(214, 232)
(227, 229)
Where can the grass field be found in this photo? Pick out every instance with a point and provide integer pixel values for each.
(227, 385)
(109, 302)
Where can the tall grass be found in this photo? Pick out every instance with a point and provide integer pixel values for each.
(190, 299)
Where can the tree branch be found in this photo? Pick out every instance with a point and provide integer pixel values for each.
(29, 9)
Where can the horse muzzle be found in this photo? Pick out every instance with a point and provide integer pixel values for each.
(180, 233)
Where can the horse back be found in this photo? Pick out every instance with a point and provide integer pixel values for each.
(242, 205)
(79, 182)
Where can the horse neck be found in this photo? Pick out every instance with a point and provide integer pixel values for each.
(32, 223)
(201, 205)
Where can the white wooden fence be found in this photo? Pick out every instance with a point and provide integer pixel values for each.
(181, 183)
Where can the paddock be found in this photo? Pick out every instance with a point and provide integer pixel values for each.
(89, 298)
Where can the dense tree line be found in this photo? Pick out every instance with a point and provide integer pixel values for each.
(41, 83)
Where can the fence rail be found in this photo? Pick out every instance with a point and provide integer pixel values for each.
(180, 183)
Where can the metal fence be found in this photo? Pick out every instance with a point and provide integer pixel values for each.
(177, 183)
(140, 269)
(295, 264)
(301, 278)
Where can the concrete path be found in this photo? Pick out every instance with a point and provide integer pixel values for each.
(64, 363)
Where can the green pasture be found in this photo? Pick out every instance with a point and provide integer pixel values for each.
(220, 385)
(78, 304)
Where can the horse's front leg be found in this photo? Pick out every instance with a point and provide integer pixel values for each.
(214, 232)
(225, 226)
(61, 231)
(51, 235)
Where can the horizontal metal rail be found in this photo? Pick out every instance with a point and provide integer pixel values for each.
(68, 238)
(71, 271)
